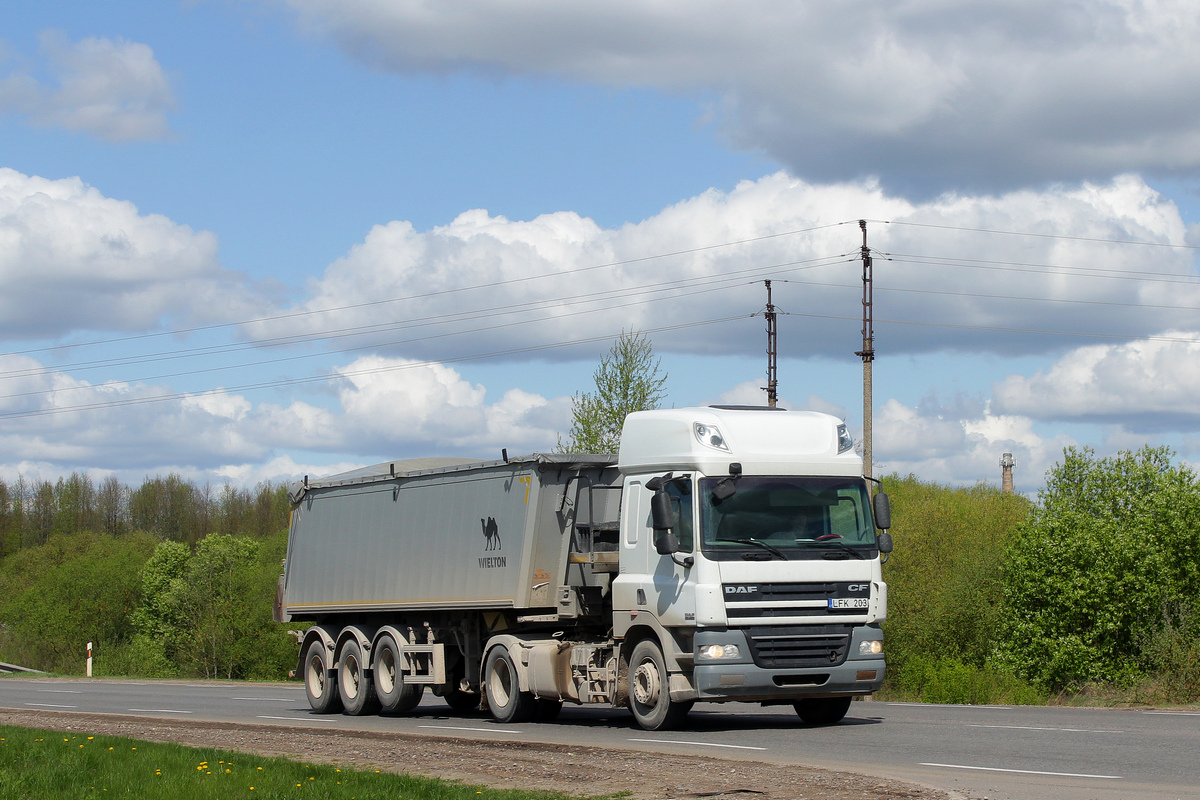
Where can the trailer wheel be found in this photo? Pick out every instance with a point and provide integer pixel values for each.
(505, 699)
(461, 701)
(395, 696)
(356, 691)
(649, 690)
(322, 692)
(823, 710)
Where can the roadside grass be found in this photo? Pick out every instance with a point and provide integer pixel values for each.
(52, 765)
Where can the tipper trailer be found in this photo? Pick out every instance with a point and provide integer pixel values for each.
(726, 554)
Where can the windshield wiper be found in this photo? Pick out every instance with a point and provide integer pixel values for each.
(842, 546)
(758, 543)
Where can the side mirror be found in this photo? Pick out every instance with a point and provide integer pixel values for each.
(666, 543)
(662, 519)
(884, 542)
(883, 511)
(662, 515)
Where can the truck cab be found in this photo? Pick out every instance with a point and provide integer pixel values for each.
(757, 577)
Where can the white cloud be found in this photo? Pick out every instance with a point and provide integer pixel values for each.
(948, 444)
(486, 285)
(114, 90)
(384, 408)
(928, 94)
(72, 259)
(1146, 385)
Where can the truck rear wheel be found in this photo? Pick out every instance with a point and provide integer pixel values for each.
(505, 699)
(649, 690)
(356, 690)
(322, 692)
(395, 696)
(823, 710)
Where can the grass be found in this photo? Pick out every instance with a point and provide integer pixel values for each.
(51, 765)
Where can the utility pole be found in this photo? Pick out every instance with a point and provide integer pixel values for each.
(867, 354)
(772, 386)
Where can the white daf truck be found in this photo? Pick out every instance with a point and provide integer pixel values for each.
(727, 554)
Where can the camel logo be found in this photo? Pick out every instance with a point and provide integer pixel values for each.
(491, 534)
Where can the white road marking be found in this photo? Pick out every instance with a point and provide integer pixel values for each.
(272, 699)
(481, 730)
(1025, 771)
(158, 710)
(699, 744)
(1174, 713)
(950, 705)
(1032, 728)
(297, 719)
(49, 705)
(60, 691)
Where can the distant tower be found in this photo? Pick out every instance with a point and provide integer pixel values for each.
(1006, 465)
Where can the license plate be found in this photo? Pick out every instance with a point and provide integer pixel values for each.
(843, 603)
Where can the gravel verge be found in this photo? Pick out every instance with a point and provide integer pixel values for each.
(581, 771)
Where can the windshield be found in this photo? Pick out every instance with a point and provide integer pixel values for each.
(786, 517)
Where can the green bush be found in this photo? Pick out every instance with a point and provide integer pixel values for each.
(1110, 540)
(930, 679)
(944, 577)
(1171, 652)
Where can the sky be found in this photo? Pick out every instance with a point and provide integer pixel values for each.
(250, 240)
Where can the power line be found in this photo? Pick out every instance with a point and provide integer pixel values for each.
(1038, 235)
(344, 375)
(735, 276)
(494, 284)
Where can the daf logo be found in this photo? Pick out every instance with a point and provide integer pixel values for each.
(741, 590)
(858, 587)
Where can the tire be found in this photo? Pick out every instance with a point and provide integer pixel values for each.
(395, 696)
(354, 687)
(321, 690)
(823, 710)
(649, 690)
(462, 702)
(505, 699)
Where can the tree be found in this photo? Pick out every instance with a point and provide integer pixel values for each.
(209, 611)
(627, 380)
(1112, 542)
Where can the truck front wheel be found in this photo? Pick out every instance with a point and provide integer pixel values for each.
(395, 696)
(356, 690)
(650, 692)
(505, 699)
(823, 710)
(322, 692)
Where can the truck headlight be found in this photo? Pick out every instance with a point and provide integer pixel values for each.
(720, 651)
(845, 440)
(871, 647)
(709, 436)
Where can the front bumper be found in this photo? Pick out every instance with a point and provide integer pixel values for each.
(743, 680)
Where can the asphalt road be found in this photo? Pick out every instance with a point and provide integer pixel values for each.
(998, 752)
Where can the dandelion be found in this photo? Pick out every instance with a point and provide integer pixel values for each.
(260, 769)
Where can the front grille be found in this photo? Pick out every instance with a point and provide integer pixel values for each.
(746, 601)
(798, 646)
